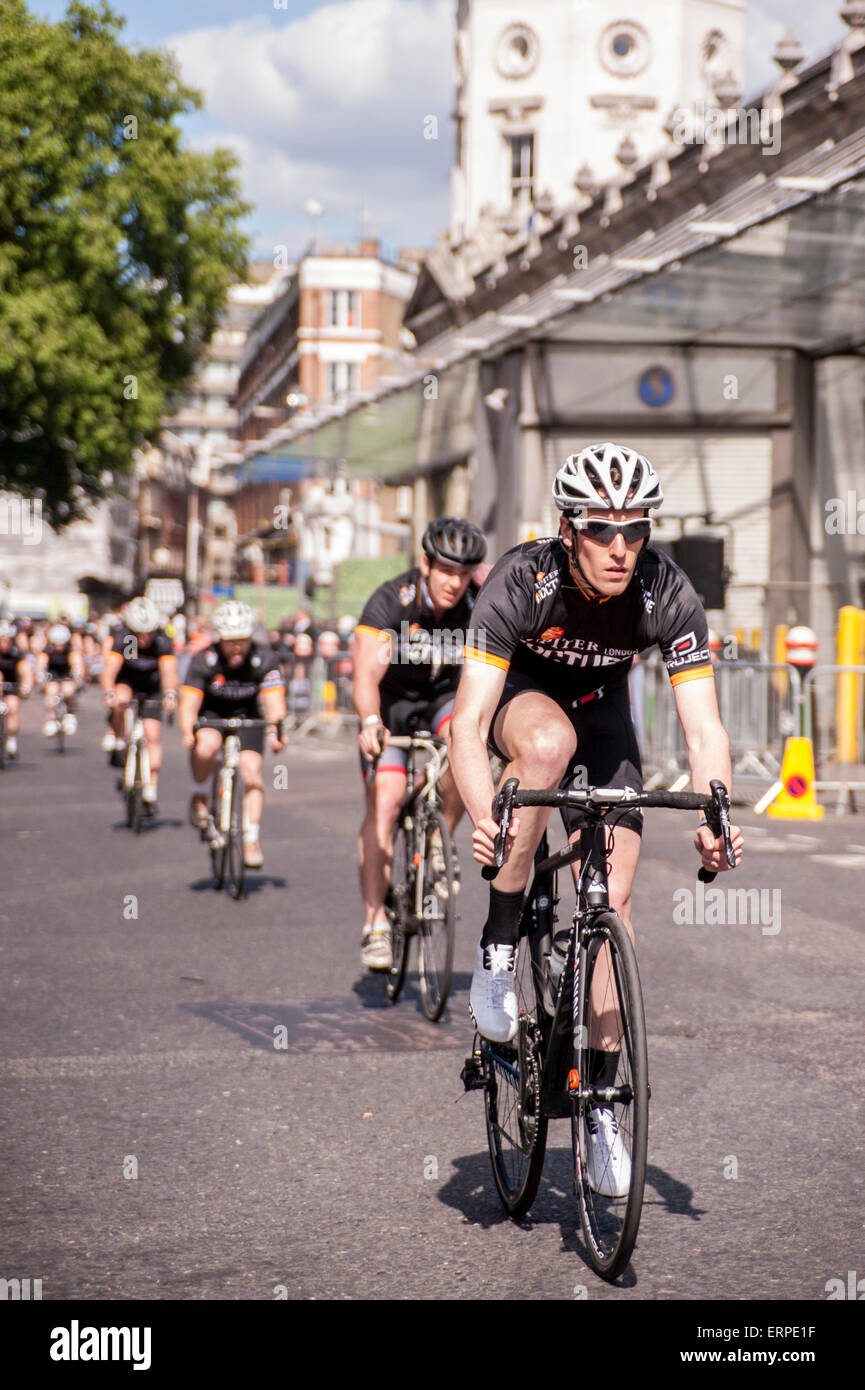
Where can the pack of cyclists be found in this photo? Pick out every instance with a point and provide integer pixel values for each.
(531, 666)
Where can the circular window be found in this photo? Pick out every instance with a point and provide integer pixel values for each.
(624, 48)
(517, 51)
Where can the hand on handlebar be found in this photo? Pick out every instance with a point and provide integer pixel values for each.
(710, 847)
(484, 839)
(371, 741)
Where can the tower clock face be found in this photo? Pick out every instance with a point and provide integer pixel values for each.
(624, 48)
(517, 51)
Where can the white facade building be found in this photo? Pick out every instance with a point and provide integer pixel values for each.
(553, 95)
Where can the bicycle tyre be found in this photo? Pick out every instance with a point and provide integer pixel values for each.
(217, 855)
(236, 866)
(397, 904)
(438, 929)
(610, 1224)
(61, 732)
(517, 1138)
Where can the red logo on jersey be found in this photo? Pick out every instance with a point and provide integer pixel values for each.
(539, 577)
(218, 680)
(552, 633)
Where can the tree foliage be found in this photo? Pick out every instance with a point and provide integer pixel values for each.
(117, 246)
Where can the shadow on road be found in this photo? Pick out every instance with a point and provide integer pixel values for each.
(251, 885)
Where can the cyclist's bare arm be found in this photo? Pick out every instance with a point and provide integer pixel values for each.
(371, 658)
(168, 677)
(478, 695)
(187, 712)
(110, 670)
(274, 709)
(709, 757)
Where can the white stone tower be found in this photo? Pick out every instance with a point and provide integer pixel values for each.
(547, 89)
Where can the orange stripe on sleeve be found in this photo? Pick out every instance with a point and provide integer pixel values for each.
(373, 631)
(193, 689)
(472, 654)
(698, 673)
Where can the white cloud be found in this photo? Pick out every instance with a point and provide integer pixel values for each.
(332, 106)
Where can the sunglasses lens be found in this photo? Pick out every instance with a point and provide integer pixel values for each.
(606, 531)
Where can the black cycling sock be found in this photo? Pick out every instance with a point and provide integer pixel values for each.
(503, 919)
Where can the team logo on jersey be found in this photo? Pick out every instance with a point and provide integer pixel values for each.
(546, 584)
(551, 633)
(686, 653)
(218, 681)
(648, 601)
(407, 593)
(210, 659)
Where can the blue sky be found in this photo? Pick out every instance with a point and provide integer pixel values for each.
(326, 99)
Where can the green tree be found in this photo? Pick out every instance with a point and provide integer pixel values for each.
(117, 246)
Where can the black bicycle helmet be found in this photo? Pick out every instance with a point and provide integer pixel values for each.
(455, 541)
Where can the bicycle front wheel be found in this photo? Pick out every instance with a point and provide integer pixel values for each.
(218, 852)
(398, 906)
(611, 1119)
(133, 797)
(516, 1129)
(438, 922)
(236, 866)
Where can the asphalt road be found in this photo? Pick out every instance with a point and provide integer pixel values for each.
(155, 1143)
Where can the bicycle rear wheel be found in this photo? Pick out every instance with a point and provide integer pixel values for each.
(516, 1129)
(236, 866)
(134, 806)
(438, 923)
(610, 1012)
(398, 905)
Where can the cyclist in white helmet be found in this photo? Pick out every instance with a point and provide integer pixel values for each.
(563, 619)
(225, 681)
(14, 671)
(60, 667)
(139, 664)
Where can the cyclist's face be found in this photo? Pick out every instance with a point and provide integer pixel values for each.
(236, 649)
(446, 583)
(608, 568)
(144, 638)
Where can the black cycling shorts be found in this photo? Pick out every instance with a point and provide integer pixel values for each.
(251, 740)
(607, 752)
(402, 717)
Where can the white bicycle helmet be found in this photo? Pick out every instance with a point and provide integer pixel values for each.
(611, 476)
(142, 615)
(232, 620)
(58, 635)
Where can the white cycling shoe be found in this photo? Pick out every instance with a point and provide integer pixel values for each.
(109, 742)
(493, 998)
(70, 724)
(376, 949)
(609, 1163)
(49, 728)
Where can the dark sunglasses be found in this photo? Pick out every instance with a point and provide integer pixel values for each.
(605, 532)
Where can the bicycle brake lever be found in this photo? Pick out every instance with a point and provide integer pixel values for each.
(504, 803)
(718, 821)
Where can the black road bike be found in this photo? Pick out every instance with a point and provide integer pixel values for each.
(580, 1046)
(424, 879)
(224, 829)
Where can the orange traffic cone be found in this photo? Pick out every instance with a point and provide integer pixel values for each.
(797, 799)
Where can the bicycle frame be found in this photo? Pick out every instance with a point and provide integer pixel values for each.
(136, 747)
(426, 790)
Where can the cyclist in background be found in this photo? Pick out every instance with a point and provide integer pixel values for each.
(226, 681)
(407, 655)
(14, 669)
(140, 665)
(60, 666)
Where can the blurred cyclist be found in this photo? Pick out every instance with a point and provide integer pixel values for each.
(61, 667)
(140, 665)
(226, 681)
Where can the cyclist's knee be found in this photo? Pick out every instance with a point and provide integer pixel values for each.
(548, 753)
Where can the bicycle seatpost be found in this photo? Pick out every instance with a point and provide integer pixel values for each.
(504, 803)
(718, 821)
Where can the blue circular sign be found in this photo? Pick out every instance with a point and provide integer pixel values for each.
(656, 386)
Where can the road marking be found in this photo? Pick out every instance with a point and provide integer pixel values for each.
(840, 861)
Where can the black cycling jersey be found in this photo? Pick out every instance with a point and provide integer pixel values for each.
(140, 669)
(9, 662)
(426, 652)
(533, 617)
(232, 693)
(58, 662)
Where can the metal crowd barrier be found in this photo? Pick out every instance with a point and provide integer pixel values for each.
(321, 702)
(761, 705)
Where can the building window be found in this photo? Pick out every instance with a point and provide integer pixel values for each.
(342, 377)
(343, 309)
(522, 168)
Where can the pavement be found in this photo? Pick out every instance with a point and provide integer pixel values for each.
(204, 1099)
